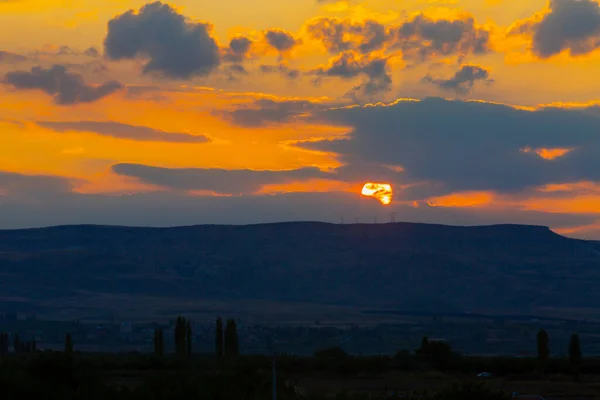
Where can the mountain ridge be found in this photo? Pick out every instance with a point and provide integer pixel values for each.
(422, 267)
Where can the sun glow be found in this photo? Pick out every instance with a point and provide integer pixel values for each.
(380, 191)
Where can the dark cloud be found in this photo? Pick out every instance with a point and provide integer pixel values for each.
(349, 65)
(420, 38)
(280, 40)
(239, 49)
(341, 35)
(123, 131)
(65, 87)
(463, 80)
(91, 52)
(423, 38)
(266, 111)
(282, 69)
(94, 67)
(175, 47)
(221, 181)
(572, 25)
(468, 145)
(6, 57)
(18, 185)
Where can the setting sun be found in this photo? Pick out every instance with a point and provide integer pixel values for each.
(381, 191)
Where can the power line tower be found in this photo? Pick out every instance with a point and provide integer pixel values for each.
(392, 217)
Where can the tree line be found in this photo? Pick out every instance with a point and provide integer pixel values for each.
(226, 339)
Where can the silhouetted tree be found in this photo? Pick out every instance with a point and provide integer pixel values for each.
(575, 356)
(188, 338)
(232, 348)
(219, 338)
(543, 349)
(424, 349)
(159, 343)
(180, 342)
(3, 345)
(68, 344)
(16, 343)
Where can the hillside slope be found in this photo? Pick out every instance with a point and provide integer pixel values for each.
(502, 268)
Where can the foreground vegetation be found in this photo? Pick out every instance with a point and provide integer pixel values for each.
(431, 372)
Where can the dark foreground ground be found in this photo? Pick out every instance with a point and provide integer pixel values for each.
(327, 374)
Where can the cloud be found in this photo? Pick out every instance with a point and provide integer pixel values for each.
(91, 52)
(463, 80)
(123, 131)
(221, 181)
(266, 111)
(468, 145)
(16, 185)
(6, 57)
(281, 40)
(176, 48)
(65, 87)
(572, 25)
(282, 69)
(340, 35)
(350, 64)
(422, 38)
(239, 49)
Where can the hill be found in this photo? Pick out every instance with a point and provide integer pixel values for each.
(418, 267)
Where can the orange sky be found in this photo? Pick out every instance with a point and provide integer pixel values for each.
(176, 109)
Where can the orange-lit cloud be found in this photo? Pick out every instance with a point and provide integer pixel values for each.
(468, 199)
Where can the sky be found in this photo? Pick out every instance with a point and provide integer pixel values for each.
(128, 112)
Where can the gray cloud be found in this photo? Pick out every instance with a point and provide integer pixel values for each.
(468, 145)
(282, 69)
(349, 65)
(463, 80)
(238, 50)
(266, 111)
(420, 38)
(572, 25)
(342, 35)
(423, 38)
(280, 39)
(176, 47)
(64, 87)
(91, 52)
(220, 181)
(123, 131)
(6, 57)
(21, 186)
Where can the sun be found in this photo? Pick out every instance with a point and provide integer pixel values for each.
(381, 191)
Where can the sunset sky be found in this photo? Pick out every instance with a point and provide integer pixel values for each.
(190, 111)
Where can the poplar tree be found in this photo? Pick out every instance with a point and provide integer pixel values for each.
(180, 336)
(543, 349)
(68, 344)
(219, 337)
(231, 339)
(159, 343)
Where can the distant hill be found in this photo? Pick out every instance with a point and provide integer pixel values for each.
(418, 267)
